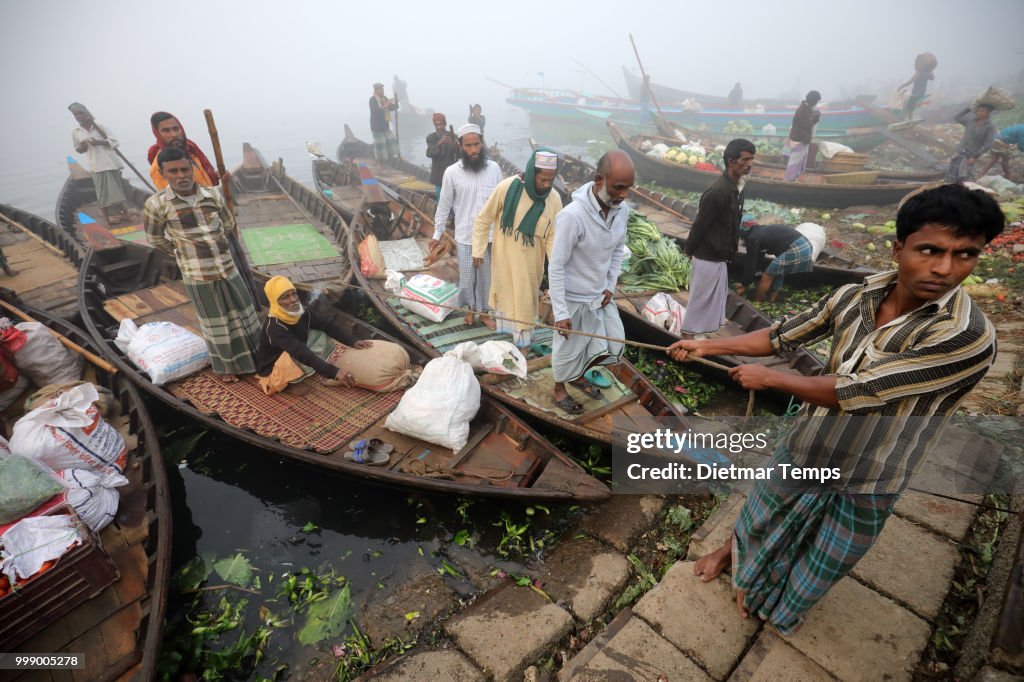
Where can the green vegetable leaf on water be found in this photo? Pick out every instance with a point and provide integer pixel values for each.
(310, 527)
(461, 538)
(447, 568)
(412, 615)
(235, 570)
(327, 618)
(194, 573)
(181, 447)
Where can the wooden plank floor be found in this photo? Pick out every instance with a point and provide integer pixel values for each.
(44, 280)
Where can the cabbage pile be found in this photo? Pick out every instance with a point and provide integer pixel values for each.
(742, 127)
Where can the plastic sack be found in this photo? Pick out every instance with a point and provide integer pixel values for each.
(830, 149)
(439, 408)
(5, 448)
(44, 359)
(163, 350)
(31, 542)
(105, 403)
(665, 312)
(93, 496)
(68, 432)
(432, 298)
(1000, 184)
(383, 367)
(24, 485)
(371, 260)
(815, 234)
(502, 357)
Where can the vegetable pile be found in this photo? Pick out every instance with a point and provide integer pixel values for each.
(656, 263)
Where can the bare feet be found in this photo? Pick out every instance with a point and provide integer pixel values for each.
(229, 378)
(709, 566)
(486, 321)
(740, 596)
(468, 319)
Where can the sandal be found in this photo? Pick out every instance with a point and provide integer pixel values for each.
(374, 452)
(568, 405)
(541, 349)
(588, 389)
(597, 378)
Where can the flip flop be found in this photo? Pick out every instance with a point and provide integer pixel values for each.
(541, 349)
(568, 404)
(588, 389)
(597, 378)
(373, 452)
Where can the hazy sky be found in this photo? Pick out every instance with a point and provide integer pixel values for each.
(285, 72)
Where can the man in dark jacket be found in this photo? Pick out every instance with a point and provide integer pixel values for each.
(442, 150)
(800, 133)
(791, 250)
(713, 241)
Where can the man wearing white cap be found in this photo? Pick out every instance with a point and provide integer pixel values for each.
(465, 186)
(525, 209)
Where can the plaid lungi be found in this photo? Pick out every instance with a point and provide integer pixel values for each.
(109, 188)
(795, 539)
(799, 257)
(570, 357)
(474, 283)
(227, 321)
(385, 145)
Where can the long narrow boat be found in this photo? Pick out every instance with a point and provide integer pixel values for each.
(765, 183)
(741, 316)
(674, 217)
(632, 402)
(119, 630)
(503, 457)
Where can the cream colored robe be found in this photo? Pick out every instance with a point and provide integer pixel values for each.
(516, 269)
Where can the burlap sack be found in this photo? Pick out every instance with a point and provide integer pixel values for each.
(383, 367)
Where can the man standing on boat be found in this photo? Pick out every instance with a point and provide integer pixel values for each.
(713, 241)
(907, 347)
(590, 234)
(169, 133)
(100, 147)
(385, 146)
(477, 118)
(192, 223)
(800, 133)
(442, 151)
(465, 187)
(979, 135)
(525, 208)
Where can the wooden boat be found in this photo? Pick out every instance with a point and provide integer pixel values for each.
(46, 259)
(503, 458)
(741, 316)
(632, 402)
(119, 630)
(765, 183)
(674, 217)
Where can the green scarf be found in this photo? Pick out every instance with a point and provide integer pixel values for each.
(515, 191)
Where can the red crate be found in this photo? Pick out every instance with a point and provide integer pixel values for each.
(78, 576)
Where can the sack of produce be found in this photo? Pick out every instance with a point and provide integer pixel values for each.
(33, 541)
(24, 485)
(383, 367)
(439, 408)
(68, 432)
(163, 350)
(371, 259)
(93, 496)
(432, 298)
(105, 403)
(925, 61)
(502, 357)
(44, 359)
(998, 98)
(665, 312)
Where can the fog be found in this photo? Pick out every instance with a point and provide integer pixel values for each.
(278, 74)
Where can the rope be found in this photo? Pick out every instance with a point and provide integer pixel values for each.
(540, 325)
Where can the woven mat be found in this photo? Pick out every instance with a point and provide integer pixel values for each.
(448, 333)
(323, 420)
(286, 244)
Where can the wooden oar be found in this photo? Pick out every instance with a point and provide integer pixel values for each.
(236, 249)
(398, 140)
(87, 354)
(30, 233)
(123, 158)
(643, 73)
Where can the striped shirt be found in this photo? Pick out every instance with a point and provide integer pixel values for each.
(896, 384)
(194, 230)
(466, 192)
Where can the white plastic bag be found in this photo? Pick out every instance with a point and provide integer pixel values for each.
(830, 149)
(502, 357)
(33, 541)
(44, 359)
(432, 297)
(815, 234)
(470, 352)
(666, 312)
(94, 496)
(163, 350)
(68, 432)
(440, 406)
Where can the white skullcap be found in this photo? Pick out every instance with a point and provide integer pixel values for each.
(469, 128)
(546, 161)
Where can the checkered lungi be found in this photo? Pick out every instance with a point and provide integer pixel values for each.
(474, 283)
(227, 321)
(794, 540)
(385, 146)
(799, 257)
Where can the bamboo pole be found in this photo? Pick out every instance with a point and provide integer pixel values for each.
(87, 354)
